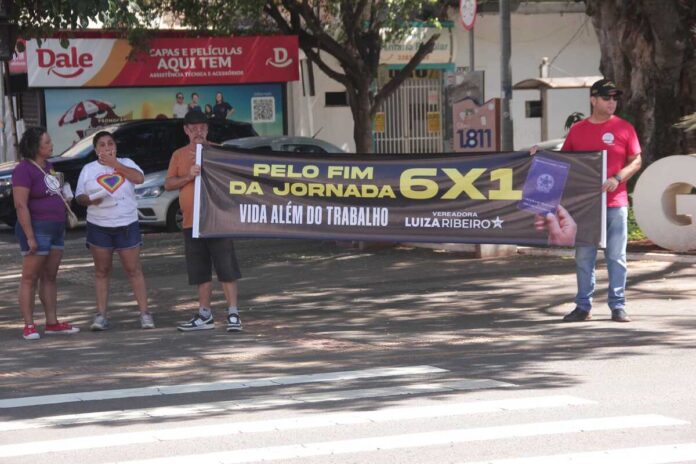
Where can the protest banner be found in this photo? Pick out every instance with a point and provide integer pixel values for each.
(489, 198)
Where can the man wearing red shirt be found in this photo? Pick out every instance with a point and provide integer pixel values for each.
(605, 131)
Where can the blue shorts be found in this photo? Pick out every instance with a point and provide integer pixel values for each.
(49, 235)
(114, 238)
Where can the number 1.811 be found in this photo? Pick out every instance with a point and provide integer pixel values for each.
(474, 138)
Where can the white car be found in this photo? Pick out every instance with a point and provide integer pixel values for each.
(157, 207)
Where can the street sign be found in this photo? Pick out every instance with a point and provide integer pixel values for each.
(467, 13)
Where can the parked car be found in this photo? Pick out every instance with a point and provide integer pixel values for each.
(284, 143)
(158, 207)
(148, 142)
(553, 144)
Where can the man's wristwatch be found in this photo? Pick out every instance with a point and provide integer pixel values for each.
(617, 177)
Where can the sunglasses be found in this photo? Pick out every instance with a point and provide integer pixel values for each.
(610, 97)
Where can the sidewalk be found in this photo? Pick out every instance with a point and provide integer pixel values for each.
(309, 303)
(638, 251)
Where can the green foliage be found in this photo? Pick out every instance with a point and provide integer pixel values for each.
(634, 232)
(338, 19)
(45, 18)
(688, 123)
(572, 119)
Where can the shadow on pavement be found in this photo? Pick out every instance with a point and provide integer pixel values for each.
(311, 306)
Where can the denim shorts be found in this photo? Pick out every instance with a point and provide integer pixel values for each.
(114, 238)
(49, 235)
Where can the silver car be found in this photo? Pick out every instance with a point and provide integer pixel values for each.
(157, 207)
(285, 143)
(553, 144)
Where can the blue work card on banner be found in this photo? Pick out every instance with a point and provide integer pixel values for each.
(544, 186)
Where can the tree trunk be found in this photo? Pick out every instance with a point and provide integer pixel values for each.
(361, 106)
(648, 50)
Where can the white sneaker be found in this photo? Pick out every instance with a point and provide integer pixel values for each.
(100, 323)
(147, 321)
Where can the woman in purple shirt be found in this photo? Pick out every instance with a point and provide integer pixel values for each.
(40, 230)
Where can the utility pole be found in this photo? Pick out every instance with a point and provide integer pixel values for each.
(544, 98)
(3, 111)
(505, 76)
(472, 64)
(8, 37)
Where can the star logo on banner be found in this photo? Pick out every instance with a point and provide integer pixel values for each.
(497, 223)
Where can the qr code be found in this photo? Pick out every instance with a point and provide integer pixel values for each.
(263, 109)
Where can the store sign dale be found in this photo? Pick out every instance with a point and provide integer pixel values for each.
(66, 65)
(213, 60)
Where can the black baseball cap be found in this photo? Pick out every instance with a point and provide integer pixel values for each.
(195, 117)
(604, 88)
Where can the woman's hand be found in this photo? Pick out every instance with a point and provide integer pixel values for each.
(85, 200)
(33, 246)
(108, 158)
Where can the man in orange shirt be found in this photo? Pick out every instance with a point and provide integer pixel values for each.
(202, 253)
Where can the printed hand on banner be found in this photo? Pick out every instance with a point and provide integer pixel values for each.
(560, 226)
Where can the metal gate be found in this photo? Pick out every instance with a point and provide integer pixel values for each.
(411, 118)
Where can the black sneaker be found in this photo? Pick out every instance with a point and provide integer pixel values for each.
(197, 323)
(234, 323)
(577, 315)
(619, 315)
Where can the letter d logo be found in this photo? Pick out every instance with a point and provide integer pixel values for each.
(280, 55)
(280, 58)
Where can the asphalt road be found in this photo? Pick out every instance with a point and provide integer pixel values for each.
(386, 355)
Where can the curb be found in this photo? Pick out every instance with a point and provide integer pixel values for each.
(630, 256)
(560, 252)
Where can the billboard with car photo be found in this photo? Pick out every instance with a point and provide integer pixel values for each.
(71, 114)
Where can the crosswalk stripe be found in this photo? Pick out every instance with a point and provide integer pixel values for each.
(662, 454)
(416, 440)
(218, 386)
(293, 423)
(190, 411)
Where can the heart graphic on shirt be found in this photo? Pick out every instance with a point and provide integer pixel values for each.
(111, 182)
